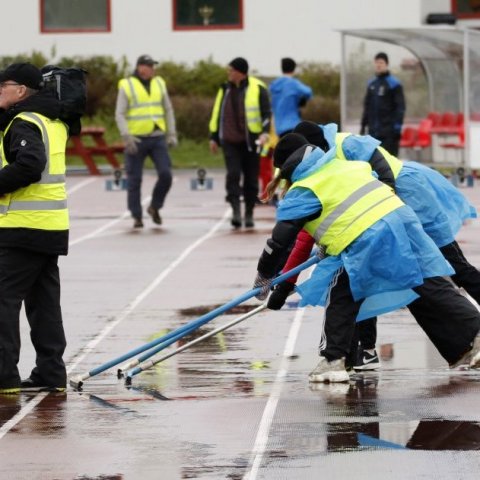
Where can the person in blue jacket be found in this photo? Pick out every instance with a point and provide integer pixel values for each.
(288, 95)
(333, 202)
(440, 206)
(384, 106)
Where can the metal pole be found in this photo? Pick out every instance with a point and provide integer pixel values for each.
(77, 382)
(146, 365)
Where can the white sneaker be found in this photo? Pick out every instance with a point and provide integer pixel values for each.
(471, 359)
(333, 372)
(475, 353)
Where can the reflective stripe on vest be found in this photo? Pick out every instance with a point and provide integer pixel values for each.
(352, 201)
(345, 205)
(253, 116)
(44, 200)
(145, 110)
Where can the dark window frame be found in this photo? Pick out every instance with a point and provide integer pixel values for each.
(107, 29)
(236, 26)
(463, 15)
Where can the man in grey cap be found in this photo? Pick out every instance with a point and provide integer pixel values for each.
(146, 121)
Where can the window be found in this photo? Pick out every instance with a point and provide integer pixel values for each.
(74, 16)
(466, 8)
(207, 14)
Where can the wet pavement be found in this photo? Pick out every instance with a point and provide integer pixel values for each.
(237, 405)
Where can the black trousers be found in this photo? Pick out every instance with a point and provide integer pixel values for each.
(239, 162)
(390, 143)
(466, 276)
(33, 279)
(450, 321)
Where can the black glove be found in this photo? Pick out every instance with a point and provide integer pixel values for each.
(279, 295)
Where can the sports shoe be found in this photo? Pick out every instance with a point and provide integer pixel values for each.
(470, 359)
(9, 390)
(137, 223)
(249, 223)
(236, 218)
(154, 213)
(367, 361)
(333, 372)
(29, 385)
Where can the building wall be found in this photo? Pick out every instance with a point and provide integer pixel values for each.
(304, 29)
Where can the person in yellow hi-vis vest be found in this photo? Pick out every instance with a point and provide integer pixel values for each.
(376, 249)
(145, 119)
(240, 123)
(34, 227)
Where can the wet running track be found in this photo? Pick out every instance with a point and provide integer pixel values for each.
(237, 405)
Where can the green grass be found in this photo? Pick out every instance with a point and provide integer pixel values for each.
(188, 153)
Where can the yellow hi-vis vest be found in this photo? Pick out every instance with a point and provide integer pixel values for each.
(352, 201)
(394, 163)
(41, 205)
(253, 115)
(145, 110)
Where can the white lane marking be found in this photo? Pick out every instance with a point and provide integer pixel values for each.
(80, 185)
(261, 440)
(132, 305)
(21, 414)
(28, 408)
(96, 232)
(102, 229)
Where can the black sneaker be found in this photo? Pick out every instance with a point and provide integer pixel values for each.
(153, 212)
(236, 219)
(367, 361)
(249, 223)
(137, 223)
(29, 385)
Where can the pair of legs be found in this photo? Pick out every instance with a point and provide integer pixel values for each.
(156, 148)
(390, 143)
(241, 162)
(466, 276)
(450, 321)
(32, 278)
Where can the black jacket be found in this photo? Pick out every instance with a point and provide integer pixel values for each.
(265, 112)
(26, 160)
(384, 107)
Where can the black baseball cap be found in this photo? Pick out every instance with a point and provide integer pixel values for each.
(23, 74)
(146, 60)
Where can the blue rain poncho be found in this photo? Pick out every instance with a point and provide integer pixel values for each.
(383, 263)
(440, 207)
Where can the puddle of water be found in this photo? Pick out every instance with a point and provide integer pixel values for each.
(203, 309)
(428, 435)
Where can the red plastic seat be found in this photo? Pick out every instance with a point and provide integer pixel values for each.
(448, 119)
(408, 138)
(424, 134)
(435, 118)
(456, 145)
(459, 121)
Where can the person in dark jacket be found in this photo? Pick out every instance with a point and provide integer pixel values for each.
(384, 106)
(240, 123)
(34, 227)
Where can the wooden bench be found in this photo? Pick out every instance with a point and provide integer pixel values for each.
(86, 151)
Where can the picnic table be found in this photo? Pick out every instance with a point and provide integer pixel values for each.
(78, 145)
